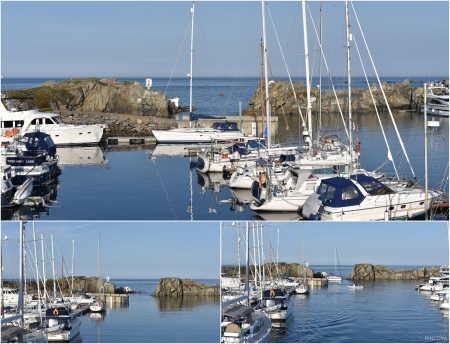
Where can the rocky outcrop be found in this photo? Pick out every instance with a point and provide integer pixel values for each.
(100, 96)
(369, 272)
(282, 99)
(287, 269)
(172, 286)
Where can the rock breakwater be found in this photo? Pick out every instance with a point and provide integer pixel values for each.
(172, 286)
(369, 272)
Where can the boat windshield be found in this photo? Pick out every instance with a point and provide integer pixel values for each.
(375, 187)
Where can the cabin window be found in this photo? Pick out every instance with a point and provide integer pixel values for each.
(326, 190)
(349, 192)
(36, 121)
(8, 124)
(49, 121)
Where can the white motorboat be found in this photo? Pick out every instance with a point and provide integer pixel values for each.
(333, 277)
(15, 114)
(439, 295)
(62, 324)
(445, 303)
(11, 296)
(437, 100)
(14, 195)
(355, 287)
(364, 198)
(242, 324)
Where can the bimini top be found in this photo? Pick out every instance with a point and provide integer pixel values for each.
(340, 192)
(237, 311)
(225, 126)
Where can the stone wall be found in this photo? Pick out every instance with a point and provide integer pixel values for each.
(288, 269)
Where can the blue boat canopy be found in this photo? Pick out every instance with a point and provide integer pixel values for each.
(341, 192)
(37, 143)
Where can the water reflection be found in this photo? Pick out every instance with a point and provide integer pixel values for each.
(171, 303)
(89, 155)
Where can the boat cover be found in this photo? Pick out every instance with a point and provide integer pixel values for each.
(9, 332)
(196, 117)
(36, 142)
(61, 311)
(340, 192)
(237, 311)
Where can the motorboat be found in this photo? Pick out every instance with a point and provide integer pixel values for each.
(97, 306)
(17, 334)
(363, 198)
(276, 303)
(445, 303)
(61, 324)
(16, 116)
(13, 195)
(32, 155)
(243, 324)
(11, 296)
(437, 100)
(355, 287)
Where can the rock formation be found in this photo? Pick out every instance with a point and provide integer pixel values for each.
(287, 269)
(399, 96)
(369, 272)
(172, 286)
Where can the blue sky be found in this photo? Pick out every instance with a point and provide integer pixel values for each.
(152, 38)
(128, 249)
(387, 243)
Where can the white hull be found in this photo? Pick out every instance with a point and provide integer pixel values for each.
(66, 335)
(193, 135)
(281, 204)
(62, 134)
(97, 307)
(336, 279)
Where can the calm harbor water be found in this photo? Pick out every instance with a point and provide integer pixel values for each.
(382, 312)
(129, 183)
(153, 320)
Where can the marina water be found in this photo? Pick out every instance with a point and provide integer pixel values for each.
(131, 183)
(149, 319)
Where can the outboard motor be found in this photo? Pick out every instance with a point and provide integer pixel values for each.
(313, 206)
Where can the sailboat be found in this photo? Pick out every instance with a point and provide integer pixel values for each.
(303, 287)
(99, 305)
(196, 134)
(334, 277)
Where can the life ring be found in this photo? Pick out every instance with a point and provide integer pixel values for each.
(15, 131)
(272, 293)
(8, 133)
(55, 312)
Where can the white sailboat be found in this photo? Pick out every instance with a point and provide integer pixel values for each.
(196, 134)
(303, 288)
(99, 305)
(334, 277)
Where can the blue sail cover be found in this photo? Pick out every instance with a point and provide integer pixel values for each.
(196, 117)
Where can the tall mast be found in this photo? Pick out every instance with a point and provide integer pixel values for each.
(308, 82)
(192, 57)
(349, 83)
(44, 280)
(266, 78)
(319, 131)
(98, 281)
(21, 268)
(73, 257)
(53, 270)
(36, 263)
(263, 104)
(247, 264)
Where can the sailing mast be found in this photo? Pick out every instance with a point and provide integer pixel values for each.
(266, 78)
(192, 57)
(349, 38)
(263, 105)
(308, 82)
